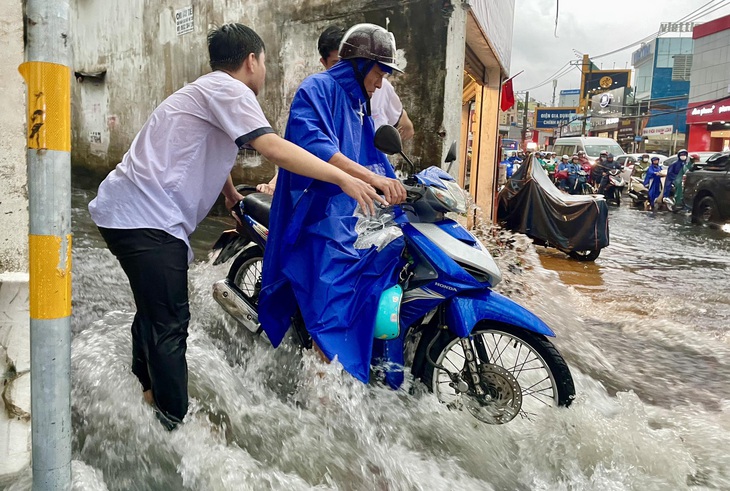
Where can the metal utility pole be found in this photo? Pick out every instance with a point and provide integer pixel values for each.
(524, 122)
(48, 78)
(555, 85)
(587, 99)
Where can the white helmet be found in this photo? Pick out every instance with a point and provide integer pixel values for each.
(564, 157)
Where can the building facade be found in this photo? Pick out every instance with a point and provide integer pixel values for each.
(662, 74)
(708, 113)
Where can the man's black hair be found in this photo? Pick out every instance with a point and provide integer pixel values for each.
(330, 40)
(230, 44)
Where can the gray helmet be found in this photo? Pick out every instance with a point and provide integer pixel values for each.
(370, 42)
(683, 151)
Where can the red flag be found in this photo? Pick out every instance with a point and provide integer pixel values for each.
(508, 96)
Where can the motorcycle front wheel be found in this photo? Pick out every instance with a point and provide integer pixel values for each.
(520, 373)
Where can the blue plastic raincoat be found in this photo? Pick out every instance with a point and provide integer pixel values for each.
(310, 260)
(653, 181)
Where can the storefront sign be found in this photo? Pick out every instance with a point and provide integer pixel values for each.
(553, 117)
(658, 130)
(709, 112)
(676, 27)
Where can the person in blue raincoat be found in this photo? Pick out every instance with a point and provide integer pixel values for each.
(310, 262)
(673, 171)
(653, 181)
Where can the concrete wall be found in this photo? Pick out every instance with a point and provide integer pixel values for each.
(136, 44)
(14, 315)
(13, 182)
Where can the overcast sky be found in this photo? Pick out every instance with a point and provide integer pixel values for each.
(588, 27)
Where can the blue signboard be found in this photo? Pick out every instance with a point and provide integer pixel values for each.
(570, 92)
(554, 117)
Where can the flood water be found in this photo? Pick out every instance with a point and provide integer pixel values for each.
(644, 330)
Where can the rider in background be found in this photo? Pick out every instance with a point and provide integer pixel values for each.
(653, 181)
(640, 166)
(673, 171)
(585, 163)
(679, 193)
(597, 170)
(573, 168)
(561, 176)
(607, 166)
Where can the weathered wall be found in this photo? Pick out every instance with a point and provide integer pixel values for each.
(14, 316)
(13, 182)
(145, 60)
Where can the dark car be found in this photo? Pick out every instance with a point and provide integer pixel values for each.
(707, 190)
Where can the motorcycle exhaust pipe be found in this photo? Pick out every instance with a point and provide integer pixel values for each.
(237, 307)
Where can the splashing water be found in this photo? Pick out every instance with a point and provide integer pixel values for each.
(650, 363)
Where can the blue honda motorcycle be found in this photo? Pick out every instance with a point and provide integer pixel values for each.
(472, 347)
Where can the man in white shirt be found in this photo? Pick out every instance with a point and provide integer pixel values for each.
(385, 105)
(167, 183)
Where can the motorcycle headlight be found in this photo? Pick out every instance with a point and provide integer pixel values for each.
(452, 198)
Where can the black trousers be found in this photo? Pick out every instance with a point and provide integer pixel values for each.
(156, 264)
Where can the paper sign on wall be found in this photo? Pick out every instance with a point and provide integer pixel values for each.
(184, 20)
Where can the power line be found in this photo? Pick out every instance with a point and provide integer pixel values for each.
(694, 15)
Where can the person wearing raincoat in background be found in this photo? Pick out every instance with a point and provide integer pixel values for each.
(653, 181)
(673, 172)
(679, 193)
(311, 262)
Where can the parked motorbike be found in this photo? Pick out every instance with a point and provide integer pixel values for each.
(474, 348)
(615, 187)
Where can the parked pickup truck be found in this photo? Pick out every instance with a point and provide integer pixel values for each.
(707, 190)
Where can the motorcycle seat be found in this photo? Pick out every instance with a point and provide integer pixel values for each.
(258, 206)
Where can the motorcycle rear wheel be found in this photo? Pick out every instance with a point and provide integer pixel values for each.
(521, 373)
(245, 273)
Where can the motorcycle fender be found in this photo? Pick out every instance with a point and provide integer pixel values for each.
(229, 244)
(465, 311)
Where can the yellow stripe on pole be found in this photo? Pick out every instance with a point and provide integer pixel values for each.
(50, 276)
(49, 105)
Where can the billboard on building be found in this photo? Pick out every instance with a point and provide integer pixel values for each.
(604, 80)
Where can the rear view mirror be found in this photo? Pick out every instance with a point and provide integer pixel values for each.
(451, 154)
(387, 140)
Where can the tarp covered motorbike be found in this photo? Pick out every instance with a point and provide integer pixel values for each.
(531, 204)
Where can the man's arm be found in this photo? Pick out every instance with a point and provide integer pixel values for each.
(295, 159)
(405, 126)
(229, 191)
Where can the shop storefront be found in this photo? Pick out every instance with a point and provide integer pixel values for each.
(709, 126)
(708, 111)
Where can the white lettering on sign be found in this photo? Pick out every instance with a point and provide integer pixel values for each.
(184, 20)
(723, 109)
(701, 111)
(658, 130)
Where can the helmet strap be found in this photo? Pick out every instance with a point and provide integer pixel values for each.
(361, 69)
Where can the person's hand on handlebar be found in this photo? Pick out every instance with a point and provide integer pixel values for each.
(392, 189)
(363, 193)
